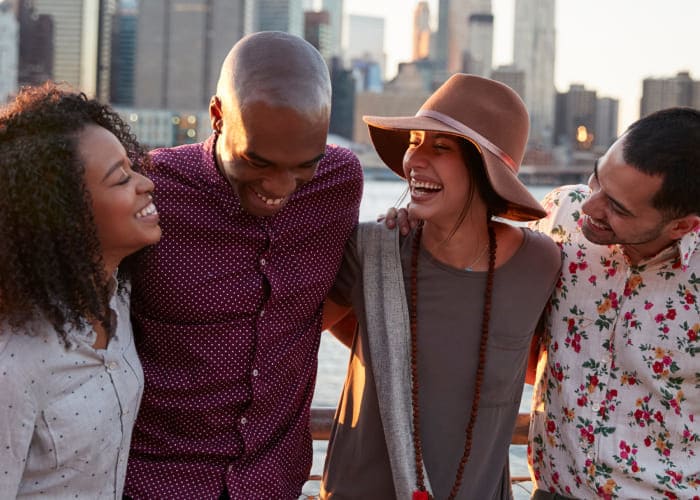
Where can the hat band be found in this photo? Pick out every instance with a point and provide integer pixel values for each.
(472, 134)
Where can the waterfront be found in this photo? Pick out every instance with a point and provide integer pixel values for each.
(333, 357)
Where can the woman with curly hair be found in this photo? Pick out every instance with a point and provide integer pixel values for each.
(72, 206)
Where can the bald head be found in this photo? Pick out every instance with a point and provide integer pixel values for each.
(279, 69)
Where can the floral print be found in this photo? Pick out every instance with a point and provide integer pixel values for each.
(617, 400)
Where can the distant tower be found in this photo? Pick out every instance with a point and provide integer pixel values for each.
(575, 123)
(274, 15)
(366, 40)
(180, 48)
(335, 12)
(534, 52)
(660, 93)
(607, 111)
(123, 57)
(421, 31)
(9, 51)
(478, 59)
(511, 76)
(82, 42)
(35, 44)
(458, 26)
(317, 31)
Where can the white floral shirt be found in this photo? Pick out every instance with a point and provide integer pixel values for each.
(616, 408)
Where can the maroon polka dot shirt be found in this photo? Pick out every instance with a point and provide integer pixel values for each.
(227, 314)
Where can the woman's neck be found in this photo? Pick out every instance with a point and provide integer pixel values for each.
(460, 248)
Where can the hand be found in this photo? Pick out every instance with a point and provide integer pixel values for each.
(400, 217)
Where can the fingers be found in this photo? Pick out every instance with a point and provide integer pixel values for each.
(403, 221)
(389, 218)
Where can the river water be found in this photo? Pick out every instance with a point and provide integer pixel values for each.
(333, 356)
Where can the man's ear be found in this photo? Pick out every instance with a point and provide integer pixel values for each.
(684, 225)
(215, 113)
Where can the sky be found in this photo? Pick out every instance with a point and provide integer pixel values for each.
(608, 45)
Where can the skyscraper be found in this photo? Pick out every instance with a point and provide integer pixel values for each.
(534, 52)
(317, 31)
(335, 12)
(478, 58)
(35, 44)
(180, 48)
(421, 31)
(274, 15)
(366, 40)
(9, 51)
(660, 93)
(81, 42)
(123, 57)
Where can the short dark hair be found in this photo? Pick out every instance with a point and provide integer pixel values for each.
(50, 256)
(667, 143)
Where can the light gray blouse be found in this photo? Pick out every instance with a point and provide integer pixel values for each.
(67, 410)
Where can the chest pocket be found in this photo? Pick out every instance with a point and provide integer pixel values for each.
(84, 424)
(506, 361)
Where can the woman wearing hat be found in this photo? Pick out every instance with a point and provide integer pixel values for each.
(445, 314)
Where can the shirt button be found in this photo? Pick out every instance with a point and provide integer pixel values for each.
(262, 261)
(255, 372)
(244, 420)
(590, 455)
(229, 469)
(112, 365)
(262, 313)
(595, 407)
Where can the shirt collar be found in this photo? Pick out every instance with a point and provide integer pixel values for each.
(682, 250)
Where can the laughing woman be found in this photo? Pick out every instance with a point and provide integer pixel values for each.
(446, 314)
(72, 206)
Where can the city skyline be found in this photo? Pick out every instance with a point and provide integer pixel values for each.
(607, 46)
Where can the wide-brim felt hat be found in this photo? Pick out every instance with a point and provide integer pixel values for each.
(487, 113)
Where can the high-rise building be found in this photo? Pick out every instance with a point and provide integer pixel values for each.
(534, 53)
(575, 118)
(661, 93)
(366, 40)
(511, 76)
(478, 59)
(585, 122)
(9, 51)
(317, 31)
(607, 113)
(35, 44)
(440, 42)
(343, 99)
(81, 42)
(180, 48)
(458, 24)
(335, 12)
(123, 58)
(421, 31)
(274, 15)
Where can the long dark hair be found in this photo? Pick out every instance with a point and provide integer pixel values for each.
(478, 183)
(50, 256)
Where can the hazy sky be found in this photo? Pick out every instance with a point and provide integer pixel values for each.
(608, 45)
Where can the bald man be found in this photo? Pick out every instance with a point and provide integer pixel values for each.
(227, 307)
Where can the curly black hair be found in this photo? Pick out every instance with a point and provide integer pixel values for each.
(50, 258)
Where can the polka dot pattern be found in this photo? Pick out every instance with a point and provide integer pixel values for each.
(227, 310)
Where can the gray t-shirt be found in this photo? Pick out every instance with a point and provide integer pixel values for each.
(450, 306)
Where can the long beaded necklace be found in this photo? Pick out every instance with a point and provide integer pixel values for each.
(421, 493)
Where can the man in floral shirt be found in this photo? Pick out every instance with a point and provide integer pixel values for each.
(616, 410)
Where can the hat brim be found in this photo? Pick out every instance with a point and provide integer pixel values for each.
(390, 137)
